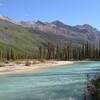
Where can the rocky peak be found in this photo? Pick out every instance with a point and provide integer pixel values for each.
(40, 22)
(5, 18)
(86, 26)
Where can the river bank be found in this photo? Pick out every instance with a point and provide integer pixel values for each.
(93, 89)
(22, 68)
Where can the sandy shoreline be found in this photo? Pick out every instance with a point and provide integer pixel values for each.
(19, 68)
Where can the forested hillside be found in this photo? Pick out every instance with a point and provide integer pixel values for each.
(55, 40)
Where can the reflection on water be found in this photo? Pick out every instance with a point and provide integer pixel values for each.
(63, 83)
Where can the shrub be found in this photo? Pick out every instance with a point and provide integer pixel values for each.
(43, 61)
(2, 65)
(28, 63)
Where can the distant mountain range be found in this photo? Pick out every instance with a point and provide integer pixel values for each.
(29, 35)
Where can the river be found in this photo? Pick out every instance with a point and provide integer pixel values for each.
(65, 82)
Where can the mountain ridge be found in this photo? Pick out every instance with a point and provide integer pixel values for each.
(29, 35)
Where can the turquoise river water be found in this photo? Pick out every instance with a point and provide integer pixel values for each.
(61, 83)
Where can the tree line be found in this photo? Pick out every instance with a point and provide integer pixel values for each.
(56, 52)
(68, 52)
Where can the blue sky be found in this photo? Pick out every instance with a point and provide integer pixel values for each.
(71, 12)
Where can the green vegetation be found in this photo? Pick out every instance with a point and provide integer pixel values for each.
(50, 51)
(19, 42)
(68, 52)
(96, 83)
(11, 53)
(96, 90)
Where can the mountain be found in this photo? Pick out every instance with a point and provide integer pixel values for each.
(27, 36)
(4, 18)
